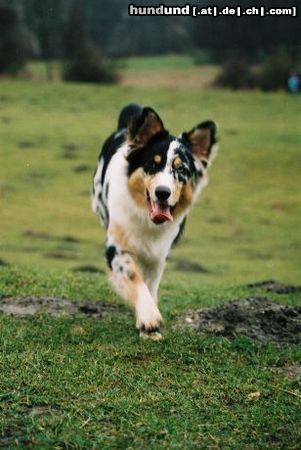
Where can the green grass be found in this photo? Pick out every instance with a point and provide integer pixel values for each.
(84, 383)
(246, 225)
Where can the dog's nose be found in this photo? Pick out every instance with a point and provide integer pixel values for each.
(162, 193)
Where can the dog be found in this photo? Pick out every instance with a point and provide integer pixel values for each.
(143, 189)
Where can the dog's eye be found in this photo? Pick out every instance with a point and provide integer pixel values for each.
(178, 164)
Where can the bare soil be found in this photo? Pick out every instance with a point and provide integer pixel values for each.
(256, 317)
(29, 306)
(275, 287)
(195, 78)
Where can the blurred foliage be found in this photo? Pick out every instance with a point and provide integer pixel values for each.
(75, 30)
(275, 71)
(84, 62)
(235, 74)
(17, 44)
(271, 75)
(110, 28)
(89, 66)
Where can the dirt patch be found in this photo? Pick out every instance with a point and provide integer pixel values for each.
(275, 287)
(255, 317)
(48, 237)
(185, 265)
(82, 168)
(195, 78)
(88, 268)
(29, 306)
(292, 372)
(70, 150)
(11, 437)
(71, 147)
(26, 144)
(60, 255)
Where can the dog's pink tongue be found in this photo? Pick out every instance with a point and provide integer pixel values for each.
(160, 213)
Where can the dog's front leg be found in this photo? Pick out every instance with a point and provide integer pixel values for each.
(128, 281)
(153, 277)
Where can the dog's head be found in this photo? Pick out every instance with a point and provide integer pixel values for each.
(165, 170)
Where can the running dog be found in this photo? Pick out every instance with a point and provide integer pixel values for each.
(143, 189)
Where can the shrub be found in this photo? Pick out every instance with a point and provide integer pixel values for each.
(235, 74)
(274, 72)
(88, 65)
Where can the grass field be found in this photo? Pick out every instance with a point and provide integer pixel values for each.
(85, 383)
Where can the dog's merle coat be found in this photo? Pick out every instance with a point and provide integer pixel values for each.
(143, 188)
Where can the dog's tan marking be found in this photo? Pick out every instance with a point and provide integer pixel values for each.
(150, 183)
(176, 193)
(131, 276)
(119, 236)
(185, 199)
(177, 162)
(137, 187)
(157, 159)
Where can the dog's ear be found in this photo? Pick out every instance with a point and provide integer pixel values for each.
(202, 140)
(144, 126)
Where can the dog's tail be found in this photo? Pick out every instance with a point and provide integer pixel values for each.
(130, 110)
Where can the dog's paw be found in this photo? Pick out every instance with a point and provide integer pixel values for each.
(148, 316)
(154, 335)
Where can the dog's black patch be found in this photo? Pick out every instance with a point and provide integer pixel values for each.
(144, 156)
(116, 139)
(109, 149)
(126, 114)
(110, 254)
(103, 211)
(188, 169)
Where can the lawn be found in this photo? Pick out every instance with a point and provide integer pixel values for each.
(84, 383)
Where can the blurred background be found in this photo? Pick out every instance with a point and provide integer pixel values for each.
(66, 69)
(91, 41)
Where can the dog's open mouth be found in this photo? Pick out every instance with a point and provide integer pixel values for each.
(159, 212)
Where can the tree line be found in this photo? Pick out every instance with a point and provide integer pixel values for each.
(60, 29)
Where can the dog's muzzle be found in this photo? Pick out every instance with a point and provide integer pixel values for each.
(159, 210)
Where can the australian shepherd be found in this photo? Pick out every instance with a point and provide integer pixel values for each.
(143, 189)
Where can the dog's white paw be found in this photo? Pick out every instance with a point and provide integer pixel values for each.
(148, 316)
(149, 320)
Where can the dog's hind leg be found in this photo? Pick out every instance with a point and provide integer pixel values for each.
(128, 281)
